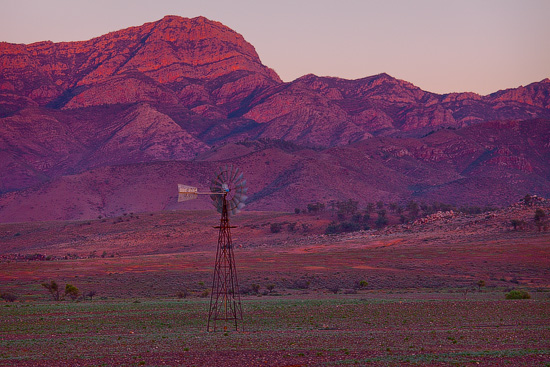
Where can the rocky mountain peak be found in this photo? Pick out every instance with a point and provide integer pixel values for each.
(169, 53)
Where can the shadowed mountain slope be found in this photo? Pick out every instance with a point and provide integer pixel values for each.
(191, 94)
(493, 163)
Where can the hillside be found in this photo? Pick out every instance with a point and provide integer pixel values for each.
(484, 164)
(110, 125)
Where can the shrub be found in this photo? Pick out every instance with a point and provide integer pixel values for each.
(381, 221)
(315, 207)
(270, 287)
(518, 294)
(343, 227)
(291, 227)
(72, 291)
(8, 297)
(205, 293)
(332, 228)
(363, 283)
(255, 288)
(350, 227)
(301, 284)
(275, 227)
(182, 294)
(334, 289)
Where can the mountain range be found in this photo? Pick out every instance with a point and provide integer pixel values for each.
(111, 125)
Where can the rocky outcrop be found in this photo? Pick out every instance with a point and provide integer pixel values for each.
(172, 52)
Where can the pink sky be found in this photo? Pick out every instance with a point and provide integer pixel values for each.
(441, 46)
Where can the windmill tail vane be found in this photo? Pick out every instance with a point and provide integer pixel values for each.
(186, 192)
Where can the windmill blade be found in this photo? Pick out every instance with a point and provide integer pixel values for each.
(218, 179)
(242, 192)
(234, 175)
(239, 178)
(226, 172)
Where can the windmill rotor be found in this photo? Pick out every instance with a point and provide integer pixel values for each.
(228, 184)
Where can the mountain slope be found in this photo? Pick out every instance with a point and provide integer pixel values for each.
(381, 105)
(484, 164)
(193, 93)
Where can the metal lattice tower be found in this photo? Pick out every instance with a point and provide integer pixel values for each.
(225, 300)
(228, 193)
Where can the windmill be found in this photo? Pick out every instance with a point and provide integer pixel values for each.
(228, 193)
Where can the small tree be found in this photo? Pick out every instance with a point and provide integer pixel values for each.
(255, 288)
(527, 199)
(517, 223)
(381, 221)
(270, 287)
(539, 217)
(72, 291)
(347, 208)
(480, 284)
(413, 209)
(53, 288)
(90, 294)
(370, 207)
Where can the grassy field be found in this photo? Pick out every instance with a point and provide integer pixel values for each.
(430, 294)
(384, 329)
